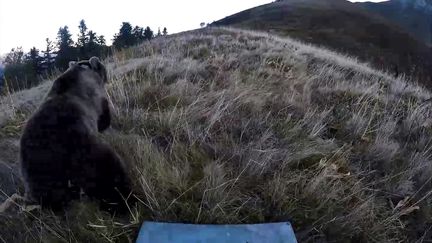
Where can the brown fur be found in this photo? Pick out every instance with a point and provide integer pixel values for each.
(61, 154)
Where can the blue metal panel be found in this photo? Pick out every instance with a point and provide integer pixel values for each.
(189, 233)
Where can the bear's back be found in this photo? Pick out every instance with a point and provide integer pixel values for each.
(56, 129)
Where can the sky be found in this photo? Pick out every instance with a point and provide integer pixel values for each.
(28, 23)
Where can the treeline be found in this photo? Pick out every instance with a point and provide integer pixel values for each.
(24, 70)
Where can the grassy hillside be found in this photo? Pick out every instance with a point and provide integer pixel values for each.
(413, 20)
(344, 27)
(229, 126)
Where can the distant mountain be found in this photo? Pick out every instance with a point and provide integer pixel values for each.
(343, 26)
(424, 5)
(415, 16)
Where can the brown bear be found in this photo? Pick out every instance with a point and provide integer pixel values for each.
(62, 158)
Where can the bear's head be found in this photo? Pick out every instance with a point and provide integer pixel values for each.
(93, 65)
(83, 77)
(84, 81)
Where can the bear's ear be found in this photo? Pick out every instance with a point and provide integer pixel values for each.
(71, 64)
(95, 63)
(97, 66)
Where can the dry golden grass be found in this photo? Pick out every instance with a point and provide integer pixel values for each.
(229, 126)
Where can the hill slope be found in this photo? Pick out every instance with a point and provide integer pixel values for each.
(230, 126)
(415, 16)
(345, 27)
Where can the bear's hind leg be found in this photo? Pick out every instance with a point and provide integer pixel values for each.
(54, 195)
(107, 179)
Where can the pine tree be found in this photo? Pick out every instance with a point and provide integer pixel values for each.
(101, 40)
(138, 33)
(34, 60)
(92, 45)
(95, 45)
(125, 37)
(22, 70)
(148, 33)
(48, 57)
(15, 56)
(83, 38)
(14, 72)
(89, 43)
(66, 52)
(103, 48)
